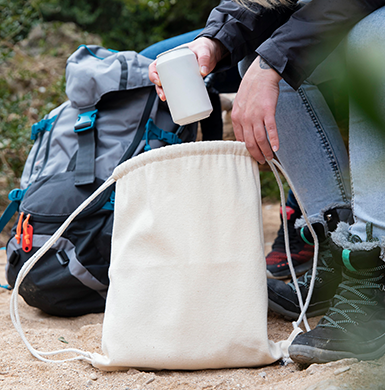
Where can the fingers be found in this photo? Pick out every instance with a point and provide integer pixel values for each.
(253, 113)
(271, 128)
(153, 74)
(208, 53)
(154, 78)
(255, 138)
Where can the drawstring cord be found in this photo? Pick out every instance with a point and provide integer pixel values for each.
(304, 307)
(14, 310)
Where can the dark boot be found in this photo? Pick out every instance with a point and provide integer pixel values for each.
(354, 326)
(283, 297)
(301, 252)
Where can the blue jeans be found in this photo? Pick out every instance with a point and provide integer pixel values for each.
(168, 44)
(312, 150)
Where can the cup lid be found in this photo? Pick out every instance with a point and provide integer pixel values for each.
(184, 46)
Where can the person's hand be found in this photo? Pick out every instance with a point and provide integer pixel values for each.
(253, 113)
(208, 52)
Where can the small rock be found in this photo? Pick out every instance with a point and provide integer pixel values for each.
(93, 376)
(342, 362)
(341, 370)
(262, 374)
(150, 381)
(132, 371)
(314, 368)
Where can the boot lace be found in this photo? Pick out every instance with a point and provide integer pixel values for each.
(343, 305)
(323, 265)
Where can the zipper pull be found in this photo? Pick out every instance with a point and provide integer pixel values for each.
(18, 228)
(27, 235)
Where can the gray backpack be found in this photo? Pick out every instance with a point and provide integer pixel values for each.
(112, 114)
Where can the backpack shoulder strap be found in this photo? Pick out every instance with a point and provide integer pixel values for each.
(85, 160)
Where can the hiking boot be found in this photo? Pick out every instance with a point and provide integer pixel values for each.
(301, 252)
(354, 326)
(283, 298)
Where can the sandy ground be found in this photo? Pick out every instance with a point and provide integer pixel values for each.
(19, 370)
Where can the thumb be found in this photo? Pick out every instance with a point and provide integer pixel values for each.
(204, 64)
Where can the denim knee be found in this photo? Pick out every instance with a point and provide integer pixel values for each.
(370, 30)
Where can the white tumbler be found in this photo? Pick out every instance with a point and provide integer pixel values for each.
(183, 85)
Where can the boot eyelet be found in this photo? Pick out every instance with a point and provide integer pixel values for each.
(382, 287)
(320, 280)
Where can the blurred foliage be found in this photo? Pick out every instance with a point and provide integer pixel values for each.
(269, 186)
(129, 24)
(31, 85)
(17, 17)
(366, 74)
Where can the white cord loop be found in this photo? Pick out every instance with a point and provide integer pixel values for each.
(304, 307)
(14, 310)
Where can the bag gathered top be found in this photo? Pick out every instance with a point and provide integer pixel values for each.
(187, 275)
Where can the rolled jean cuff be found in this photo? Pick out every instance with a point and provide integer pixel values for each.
(341, 238)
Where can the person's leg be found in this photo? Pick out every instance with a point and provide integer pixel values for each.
(168, 44)
(310, 146)
(354, 325)
(312, 150)
(314, 155)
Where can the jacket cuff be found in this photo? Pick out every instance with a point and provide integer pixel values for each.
(278, 60)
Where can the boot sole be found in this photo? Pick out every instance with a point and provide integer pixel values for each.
(299, 270)
(290, 315)
(307, 355)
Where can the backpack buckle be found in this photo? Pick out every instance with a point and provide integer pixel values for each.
(43, 125)
(16, 195)
(86, 121)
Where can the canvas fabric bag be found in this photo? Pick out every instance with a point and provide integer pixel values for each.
(187, 276)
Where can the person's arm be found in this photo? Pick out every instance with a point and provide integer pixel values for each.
(296, 48)
(231, 32)
(293, 52)
(242, 30)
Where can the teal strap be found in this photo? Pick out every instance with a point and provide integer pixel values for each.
(85, 159)
(154, 132)
(346, 260)
(110, 205)
(43, 125)
(304, 238)
(15, 196)
(91, 52)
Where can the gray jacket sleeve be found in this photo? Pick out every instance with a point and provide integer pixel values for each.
(294, 40)
(242, 30)
(296, 48)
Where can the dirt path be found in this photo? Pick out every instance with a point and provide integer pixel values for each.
(19, 370)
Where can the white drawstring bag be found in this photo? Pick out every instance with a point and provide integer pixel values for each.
(188, 273)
